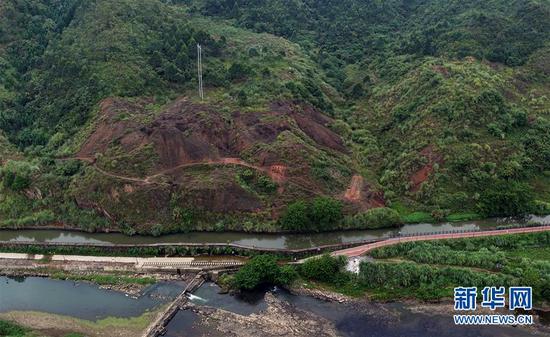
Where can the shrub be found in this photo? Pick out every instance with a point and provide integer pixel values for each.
(296, 217)
(323, 269)
(505, 198)
(157, 230)
(287, 275)
(263, 270)
(417, 217)
(375, 218)
(17, 175)
(11, 329)
(323, 213)
(541, 207)
(238, 71)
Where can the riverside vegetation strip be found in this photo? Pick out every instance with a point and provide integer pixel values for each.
(73, 327)
(433, 109)
(11, 329)
(420, 270)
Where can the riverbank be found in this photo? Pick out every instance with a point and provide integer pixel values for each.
(444, 307)
(129, 283)
(95, 248)
(277, 312)
(416, 219)
(274, 313)
(411, 218)
(48, 324)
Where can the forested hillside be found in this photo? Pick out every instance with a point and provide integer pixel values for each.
(317, 115)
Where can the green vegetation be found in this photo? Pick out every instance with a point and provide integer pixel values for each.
(132, 326)
(9, 329)
(167, 250)
(418, 217)
(442, 107)
(321, 214)
(329, 272)
(430, 270)
(456, 217)
(374, 218)
(490, 261)
(324, 268)
(424, 282)
(104, 279)
(263, 270)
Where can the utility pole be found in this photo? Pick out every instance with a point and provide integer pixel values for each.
(199, 70)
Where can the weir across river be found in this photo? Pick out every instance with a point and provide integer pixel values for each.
(158, 326)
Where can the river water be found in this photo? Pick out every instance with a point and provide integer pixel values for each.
(88, 301)
(80, 299)
(288, 241)
(350, 320)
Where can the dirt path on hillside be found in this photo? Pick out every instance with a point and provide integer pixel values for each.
(276, 172)
(149, 179)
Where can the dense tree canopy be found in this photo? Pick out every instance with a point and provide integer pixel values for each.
(442, 106)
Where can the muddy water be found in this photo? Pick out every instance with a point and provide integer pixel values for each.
(289, 241)
(367, 319)
(80, 299)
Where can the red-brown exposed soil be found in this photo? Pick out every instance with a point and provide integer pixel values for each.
(353, 193)
(186, 134)
(312, 123)
(278, 173)
(360, 194)
(424, 173)
(189, 133)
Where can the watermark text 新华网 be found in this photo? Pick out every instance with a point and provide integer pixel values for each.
(492, 298)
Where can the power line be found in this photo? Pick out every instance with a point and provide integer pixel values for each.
(199, 70)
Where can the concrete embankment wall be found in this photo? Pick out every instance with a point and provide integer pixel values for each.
(163, 249)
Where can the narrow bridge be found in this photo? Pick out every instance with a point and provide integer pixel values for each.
(360, 250)
(158, 327)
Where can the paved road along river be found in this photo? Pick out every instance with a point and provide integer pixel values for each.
(360, 250)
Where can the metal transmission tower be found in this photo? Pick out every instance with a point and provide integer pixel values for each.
(199, 70)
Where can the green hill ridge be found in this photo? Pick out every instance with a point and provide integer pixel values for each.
(316, 113)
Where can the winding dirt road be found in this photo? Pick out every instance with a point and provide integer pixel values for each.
(276, 172)
(360, 250)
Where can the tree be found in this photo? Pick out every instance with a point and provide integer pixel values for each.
(238, 71)
(325, 268)
(325, 212)
(504, 198)
(263, 270)
(382, 217)
(296, 217)
(17, 175)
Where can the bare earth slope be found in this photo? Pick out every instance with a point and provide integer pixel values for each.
(193, 158)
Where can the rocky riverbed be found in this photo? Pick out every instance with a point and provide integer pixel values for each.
(315, 312)
(279, 319)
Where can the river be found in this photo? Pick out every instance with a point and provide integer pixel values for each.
(350, 320)
(80, 299)
(288, 241)
(88, 301)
